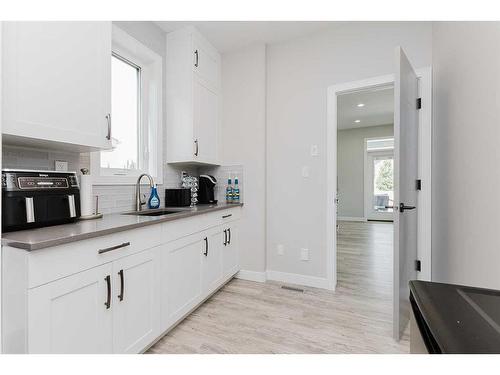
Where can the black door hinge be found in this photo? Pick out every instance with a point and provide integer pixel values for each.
(418, 265)
(419, 103)
(418, 184)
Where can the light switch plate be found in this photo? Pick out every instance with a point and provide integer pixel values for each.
(314, 150)
(61, 165)
(280, 249)
(304, 254)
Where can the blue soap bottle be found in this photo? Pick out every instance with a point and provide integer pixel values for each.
(154, 199)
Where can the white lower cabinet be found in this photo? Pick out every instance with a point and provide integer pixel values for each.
(230, 251)
(135, 302)
(132, 290)
(70, 315)
(181, 278)
(211, 260)
(113, 308)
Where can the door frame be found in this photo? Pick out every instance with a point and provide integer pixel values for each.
(367, 179)
(424, 168)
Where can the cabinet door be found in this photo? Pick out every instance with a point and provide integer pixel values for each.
(206, 119)
(136, 310)
(206, 63)
(180, 278)
(57, 81)
(230, 251)
(70, 315)
(211, 260)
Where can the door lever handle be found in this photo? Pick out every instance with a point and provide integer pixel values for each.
(402, 207)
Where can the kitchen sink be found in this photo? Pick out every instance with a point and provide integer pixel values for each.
(159, 212)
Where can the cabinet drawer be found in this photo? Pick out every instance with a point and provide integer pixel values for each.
(229, 215)
(59, 261)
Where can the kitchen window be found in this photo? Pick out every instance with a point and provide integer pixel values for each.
(136, 121)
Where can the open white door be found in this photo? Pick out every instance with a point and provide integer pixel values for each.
(405, 190)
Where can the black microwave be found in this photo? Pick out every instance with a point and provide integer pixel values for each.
(34, 199)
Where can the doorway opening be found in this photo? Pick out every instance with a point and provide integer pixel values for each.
(365, 196)
(403, 263)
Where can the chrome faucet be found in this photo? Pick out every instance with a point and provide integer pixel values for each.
(138, 202)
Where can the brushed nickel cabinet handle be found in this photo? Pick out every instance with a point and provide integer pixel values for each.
(102, 251)
(196, 58)
(226, 216)
(206, 246)
(108, 118)
(108, 300)
(229, 240)
(197, 147)
(122, 285)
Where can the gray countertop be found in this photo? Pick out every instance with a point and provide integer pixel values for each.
(34, 239)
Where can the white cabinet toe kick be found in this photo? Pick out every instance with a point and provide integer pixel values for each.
(117, 293)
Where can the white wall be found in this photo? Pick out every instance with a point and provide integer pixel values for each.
(243, 142)
(466, 153)
(298, 74)
(351, 165)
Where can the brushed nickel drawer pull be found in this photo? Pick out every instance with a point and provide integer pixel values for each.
(226, 216)
(102, 251)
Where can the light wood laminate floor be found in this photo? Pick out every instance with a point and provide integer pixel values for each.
(250, 317)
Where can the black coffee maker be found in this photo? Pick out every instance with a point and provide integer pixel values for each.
(206, 189)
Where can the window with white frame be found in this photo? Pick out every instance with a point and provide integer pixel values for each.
(136, 130)
(379, 144)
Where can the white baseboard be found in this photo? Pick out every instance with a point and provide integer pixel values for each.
(293, 278)
(351, 218)
(251, 276)
(284, 277)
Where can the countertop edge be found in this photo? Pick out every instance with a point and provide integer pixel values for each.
(80, 237)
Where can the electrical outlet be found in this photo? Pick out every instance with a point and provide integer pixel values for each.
(304, 254)
(280, 249)
(314, 150)
(305, 171)
(61, 165)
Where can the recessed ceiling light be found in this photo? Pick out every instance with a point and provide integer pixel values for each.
(361, 105)
(356, 121)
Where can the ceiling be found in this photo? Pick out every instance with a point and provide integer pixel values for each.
(231, 35)
(378, 108)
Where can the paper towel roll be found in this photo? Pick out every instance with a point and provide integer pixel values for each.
(86, 201)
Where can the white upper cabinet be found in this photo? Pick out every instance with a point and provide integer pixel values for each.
(193, 98)
(206, 62)
(57, 84)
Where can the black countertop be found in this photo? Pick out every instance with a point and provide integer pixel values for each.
(461, 319)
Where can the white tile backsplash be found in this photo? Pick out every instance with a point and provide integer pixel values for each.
(117, 198)
(29, 158)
